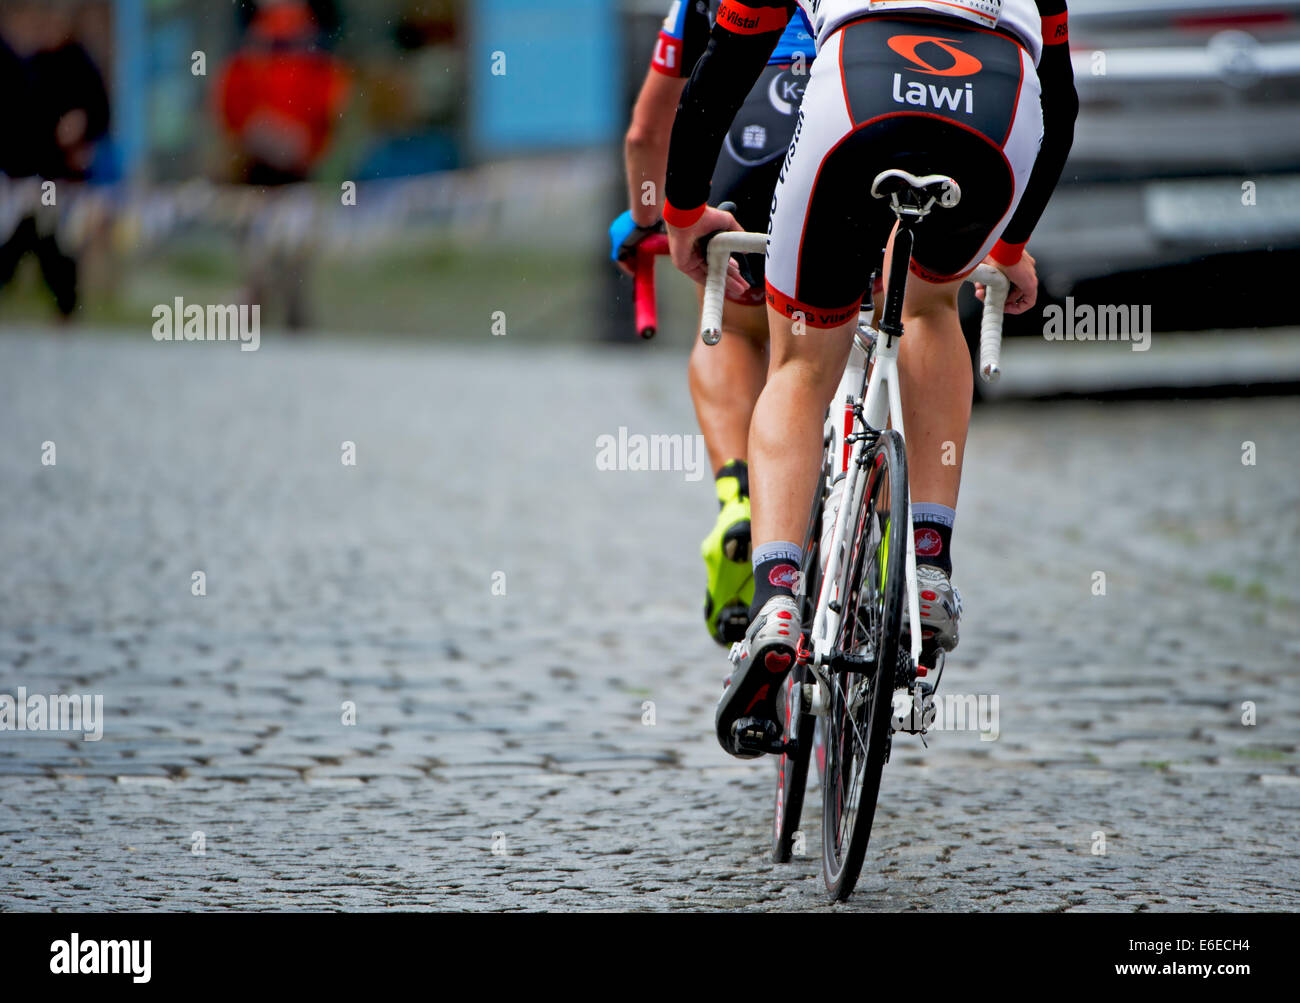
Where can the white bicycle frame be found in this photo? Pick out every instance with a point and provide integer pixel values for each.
(881, 408)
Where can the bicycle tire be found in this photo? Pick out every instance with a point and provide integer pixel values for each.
(858, 728)
(792, 770)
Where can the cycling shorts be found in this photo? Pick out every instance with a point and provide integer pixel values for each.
(752, 154)
(926, 95)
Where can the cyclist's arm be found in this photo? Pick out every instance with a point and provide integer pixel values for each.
(680, 43)
(645, 148)
(743, 38)
(1060, 107)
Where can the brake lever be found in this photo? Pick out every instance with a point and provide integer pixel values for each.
(703, 243)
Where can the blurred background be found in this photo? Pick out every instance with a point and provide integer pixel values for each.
(197, 141)
(201, 149)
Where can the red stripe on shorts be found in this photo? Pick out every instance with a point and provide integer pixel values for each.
(811, 316)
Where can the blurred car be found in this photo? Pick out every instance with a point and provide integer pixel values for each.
(1185, 172)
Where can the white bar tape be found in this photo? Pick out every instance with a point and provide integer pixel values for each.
(721, 248)
(995, 301)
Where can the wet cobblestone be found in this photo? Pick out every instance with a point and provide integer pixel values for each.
(514, 721)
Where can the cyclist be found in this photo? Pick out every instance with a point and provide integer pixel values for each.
(981, 90)
(725, 380)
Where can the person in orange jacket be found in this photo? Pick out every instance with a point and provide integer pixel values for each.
(280, 95)
(279, 98)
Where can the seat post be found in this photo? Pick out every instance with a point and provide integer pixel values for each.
(891, 323)
(911, 198)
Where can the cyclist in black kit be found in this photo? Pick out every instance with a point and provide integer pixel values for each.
(726, 379)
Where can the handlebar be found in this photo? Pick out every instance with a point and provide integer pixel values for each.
(718, 249)
(723, 244)
(995, 301)
(643, 272)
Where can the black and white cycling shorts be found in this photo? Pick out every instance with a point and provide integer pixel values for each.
(929, 96)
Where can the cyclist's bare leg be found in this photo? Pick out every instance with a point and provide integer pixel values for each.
(935, 380)
(726, 379)
(934, 377)
(785, 435)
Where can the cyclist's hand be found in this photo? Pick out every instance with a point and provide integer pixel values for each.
(624, 236)
(1023, 276)
(684, 246)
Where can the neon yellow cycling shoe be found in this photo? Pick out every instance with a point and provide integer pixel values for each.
(726, 553)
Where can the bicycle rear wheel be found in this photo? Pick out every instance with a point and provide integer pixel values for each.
(858, 716)
(796, 717)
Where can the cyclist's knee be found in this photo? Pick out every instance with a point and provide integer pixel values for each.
(811, 359)
(747, 321)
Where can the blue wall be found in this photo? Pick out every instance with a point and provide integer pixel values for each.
(130, 127)
(562, 85)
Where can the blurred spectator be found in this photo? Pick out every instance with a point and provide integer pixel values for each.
(56, 110)
(280, 95)
(324, 12)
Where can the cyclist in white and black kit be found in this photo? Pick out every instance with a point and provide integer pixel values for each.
(980, 90)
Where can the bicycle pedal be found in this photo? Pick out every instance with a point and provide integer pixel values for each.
(757, 735)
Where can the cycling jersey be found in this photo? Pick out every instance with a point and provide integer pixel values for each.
(747, 166)
(1018, 17)
(685, 34)
(745, 34)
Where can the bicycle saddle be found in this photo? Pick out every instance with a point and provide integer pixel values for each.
(908, 189)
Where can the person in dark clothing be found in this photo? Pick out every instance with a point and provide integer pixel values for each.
(56, 110)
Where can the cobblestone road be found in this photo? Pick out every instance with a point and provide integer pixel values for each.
(515, 721)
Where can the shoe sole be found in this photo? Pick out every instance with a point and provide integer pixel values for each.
(753, 692)
(737, 543)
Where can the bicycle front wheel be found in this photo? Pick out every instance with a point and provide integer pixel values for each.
(858, 715)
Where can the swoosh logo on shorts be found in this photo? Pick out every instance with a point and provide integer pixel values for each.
(964, 64)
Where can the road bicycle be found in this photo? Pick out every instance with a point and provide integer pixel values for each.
(858, 672)
(859, 667)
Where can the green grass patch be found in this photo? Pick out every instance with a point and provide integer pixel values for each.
(1264, 755)
(1221, 581)
(432, 289)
